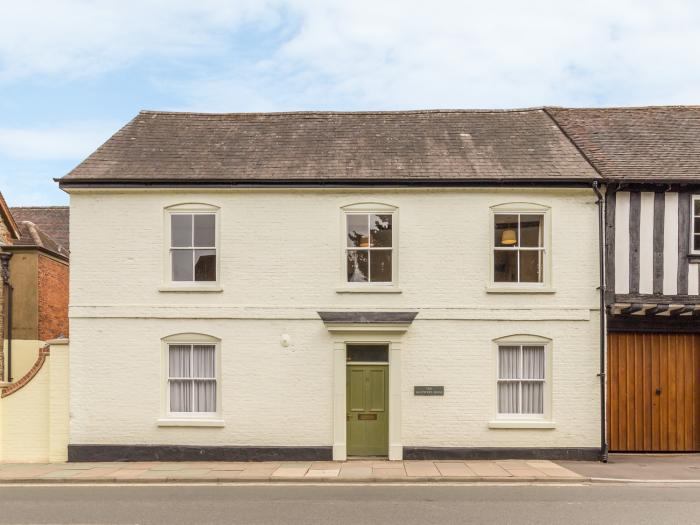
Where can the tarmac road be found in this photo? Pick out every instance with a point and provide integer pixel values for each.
(356, 504)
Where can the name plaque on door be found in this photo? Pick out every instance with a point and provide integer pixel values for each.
(428, 390)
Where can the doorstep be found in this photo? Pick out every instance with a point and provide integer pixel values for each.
(362, 471)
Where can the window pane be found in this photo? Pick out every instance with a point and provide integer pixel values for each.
(533, 398)
(378, 353)
(533, 362)
(530, 266)
(182, 265)
(205, 265)
(179, 361)
(204, 361)
(508, 398)
(380, 266)
(204, 230)
(697, 225)
(381, 230)
(205, 396)
(506, 230)
(531, 230)
(181, 230)
(697, 207)
(181, 396)
(357, 266)
(505, 266)
(697, 242)
(358, 230)
(508, 362)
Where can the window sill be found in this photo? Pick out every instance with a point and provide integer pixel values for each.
(544, 424)
(694, 257)
(517, 289)
(368, 289)
(204, 289)
(166, 422)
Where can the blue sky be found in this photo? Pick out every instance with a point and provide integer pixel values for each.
(72, 72)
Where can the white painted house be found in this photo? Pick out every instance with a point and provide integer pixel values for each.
(323, 285)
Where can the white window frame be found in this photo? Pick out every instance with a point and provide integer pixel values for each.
(522, 208)
(168, 285)
(693, 232)
(369, 208)
(168, 418)
(543, 420)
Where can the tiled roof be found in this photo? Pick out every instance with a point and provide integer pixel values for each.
(394, 147)
(32, 235)
(637, 144)
(51, 220)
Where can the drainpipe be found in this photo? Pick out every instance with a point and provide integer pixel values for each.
(5, 269)
(601, 260)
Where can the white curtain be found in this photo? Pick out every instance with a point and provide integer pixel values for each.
(204, 359)
(508, 368)
(179, 358)
(508, 361)
(533, 368)
(180, 396)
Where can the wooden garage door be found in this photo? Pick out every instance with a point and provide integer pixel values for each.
(654, 392)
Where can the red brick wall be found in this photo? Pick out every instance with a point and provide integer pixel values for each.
(53, 298)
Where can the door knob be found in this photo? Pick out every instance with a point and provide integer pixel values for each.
(658, 391)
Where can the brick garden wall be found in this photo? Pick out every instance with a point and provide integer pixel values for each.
(53, 298)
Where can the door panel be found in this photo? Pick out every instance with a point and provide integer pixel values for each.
(356, 390)
(654, 392)
(367, 418)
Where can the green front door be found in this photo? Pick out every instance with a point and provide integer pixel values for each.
(367, 410)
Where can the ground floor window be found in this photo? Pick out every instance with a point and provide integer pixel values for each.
(521, 380)
(192, 379)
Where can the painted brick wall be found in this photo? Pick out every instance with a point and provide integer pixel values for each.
(281, 263)
(53, 298)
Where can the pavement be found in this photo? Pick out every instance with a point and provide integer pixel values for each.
(625, 468)
(640, 467)
(296, 471)
(351, 504)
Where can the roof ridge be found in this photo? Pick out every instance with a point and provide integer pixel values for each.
(348, 113)
(640, 108)
(33, 232)
(39, 207)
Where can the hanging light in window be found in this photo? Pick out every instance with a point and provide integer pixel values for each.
(508, 237)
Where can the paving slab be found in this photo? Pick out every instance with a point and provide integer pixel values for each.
(290, 472)
(322, 473)
(387, 464)
(352, 471)
(455, 469)
(390, 474)
(487, 469)
(423, 469)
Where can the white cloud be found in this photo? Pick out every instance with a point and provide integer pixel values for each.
(69, 142)
(372, 54)
(85, 37)
(398, 54)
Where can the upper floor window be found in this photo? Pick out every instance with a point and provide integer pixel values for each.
(695, 226)
(520, 242)
(370, 245)
(192, 246)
